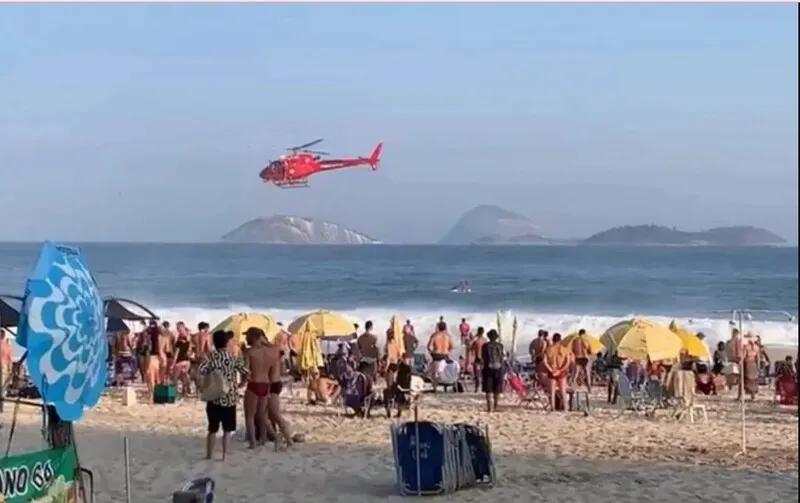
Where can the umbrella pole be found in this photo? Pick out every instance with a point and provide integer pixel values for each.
(126, 451)
(740, 350)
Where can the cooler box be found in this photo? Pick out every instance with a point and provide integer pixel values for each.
(164, 393)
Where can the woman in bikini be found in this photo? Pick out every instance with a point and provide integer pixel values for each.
(182, 365)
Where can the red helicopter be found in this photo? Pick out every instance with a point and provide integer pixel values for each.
(292, 169)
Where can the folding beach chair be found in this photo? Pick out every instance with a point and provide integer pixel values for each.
(527, 393)
(357, 394)
(631, 399)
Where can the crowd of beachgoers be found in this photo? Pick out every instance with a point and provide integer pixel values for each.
(257, 387)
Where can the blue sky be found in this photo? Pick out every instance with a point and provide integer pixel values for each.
(151, 122)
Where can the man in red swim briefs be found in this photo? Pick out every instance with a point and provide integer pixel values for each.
(264, 385)
(557, 360)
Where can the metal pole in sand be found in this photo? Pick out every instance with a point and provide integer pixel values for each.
(126, 451)
(740, 352)
(416, 447)
(738, 316)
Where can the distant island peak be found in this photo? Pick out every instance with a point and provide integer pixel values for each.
(659, 235)
(488, 224)
(290, 229)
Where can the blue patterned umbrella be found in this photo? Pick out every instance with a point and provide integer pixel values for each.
(62, 327)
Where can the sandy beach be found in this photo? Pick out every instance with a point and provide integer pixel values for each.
(540, 456)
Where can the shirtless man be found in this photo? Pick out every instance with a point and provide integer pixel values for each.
(557, 360)
(293, 344)
(264, 386)
(124, 361)
(367, 344)
(537, 348)
(582, 351)
(475, 352)
(440, 344)
(201, 347)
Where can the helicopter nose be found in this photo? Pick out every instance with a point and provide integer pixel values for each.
(264, 174)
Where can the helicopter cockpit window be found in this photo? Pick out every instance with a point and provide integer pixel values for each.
(276, 168)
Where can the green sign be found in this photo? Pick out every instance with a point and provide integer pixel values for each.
(39, 477)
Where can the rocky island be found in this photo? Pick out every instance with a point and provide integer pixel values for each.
(492, 225)
(292, 230)
(657, 235)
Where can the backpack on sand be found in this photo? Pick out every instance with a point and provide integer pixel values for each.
(215, 386)
(496, 357)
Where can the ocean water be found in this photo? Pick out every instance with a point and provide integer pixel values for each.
(557, 288)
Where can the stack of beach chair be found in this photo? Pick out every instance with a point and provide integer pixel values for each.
(435, 458)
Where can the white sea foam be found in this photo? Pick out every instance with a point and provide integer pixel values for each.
(779, 333)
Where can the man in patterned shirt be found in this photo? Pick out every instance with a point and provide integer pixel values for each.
(222, 411)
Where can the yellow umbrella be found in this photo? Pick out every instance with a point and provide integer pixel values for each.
(641, 340)
(691, 344)
(322, 323)
(594, 343)
(310, 355)
(240, 322)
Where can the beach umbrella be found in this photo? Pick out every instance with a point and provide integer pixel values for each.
(62, 327)
(310, 355)
(691, 344)
(322, 323)
(638, 339)
(594, 343)
(397, 329)
(239, 324)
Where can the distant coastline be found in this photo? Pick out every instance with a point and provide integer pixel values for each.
(657, 235)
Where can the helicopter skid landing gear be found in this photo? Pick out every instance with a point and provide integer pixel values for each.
(293, 184)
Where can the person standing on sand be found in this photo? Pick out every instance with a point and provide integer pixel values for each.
(369, 353)
(221, 412)
(293, 344)
(749, 368)
(475, 355)
(201, 346)
(440, 344)
(392, 350)
(537, 348)
(182, 365)
(156, 360)
(259, 381)
(557, 360)
(410, 341)
(493, 370)
(465, 331)
(582, 352)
